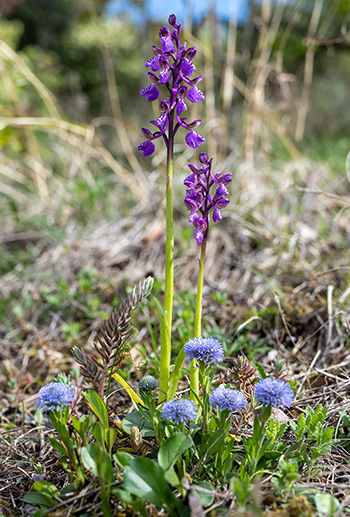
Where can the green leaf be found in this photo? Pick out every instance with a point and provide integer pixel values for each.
(39, 499)
(205, 498)
(137, 418)
(175, 376)
(172, 449)
(122, 458)
(145, 478)
(326, 504)
(99, 434)
(172, 478)
(97, 461)
(98, 406)
(46, 488)
(58, 446)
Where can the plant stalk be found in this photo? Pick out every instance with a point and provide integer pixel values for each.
(165, 345)
(194, 370)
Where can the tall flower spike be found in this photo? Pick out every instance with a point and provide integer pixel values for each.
(174, 66)
(198, 199)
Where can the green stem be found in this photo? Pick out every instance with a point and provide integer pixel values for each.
(165, 345)
(194, 371)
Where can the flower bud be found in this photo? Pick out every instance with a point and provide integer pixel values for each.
(136, 438)
(172, 20)
(203, 158)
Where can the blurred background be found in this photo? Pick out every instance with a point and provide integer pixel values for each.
(78, 201)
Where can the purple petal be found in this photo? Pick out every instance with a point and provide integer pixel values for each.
(164, 76)
(198, 236)
(187, 67)
(195, 95)
(216, 215)
(181, 106)
(153, 63)
(193, 139)
(147, 148)
(150, 92)
(167, 44)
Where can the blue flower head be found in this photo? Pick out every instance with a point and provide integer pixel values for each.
(54, 396)
(224, 398)
(205, 349)
(148, 383)
(179, 411)
(274, 392)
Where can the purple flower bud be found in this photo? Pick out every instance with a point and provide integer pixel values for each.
(203, 158)
(193, 139)
(147, 133)
(195, 95)
(153, 78)
(150, 92)
(172, 20)
(187, 67)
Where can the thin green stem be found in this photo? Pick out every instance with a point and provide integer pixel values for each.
(165, 346)
(198, 318)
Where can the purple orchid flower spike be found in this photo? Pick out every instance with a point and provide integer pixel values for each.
(171, 69)
(198, 199)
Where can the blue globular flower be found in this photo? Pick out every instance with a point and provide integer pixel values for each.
(179, 411)
(148, 383)
(54, 396)
(204, 349)
(171, 70)
(274, 392)
(224, 398)
(199, 200)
